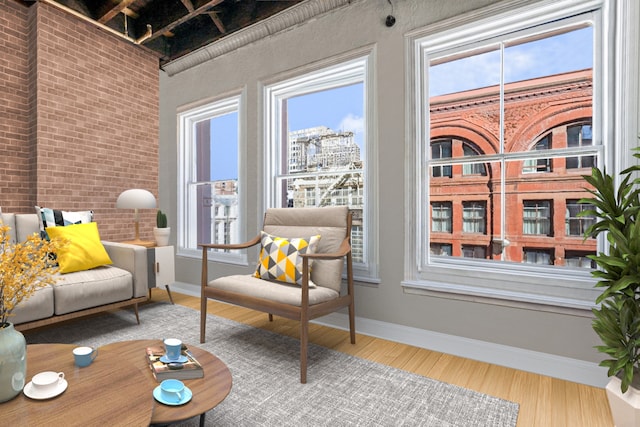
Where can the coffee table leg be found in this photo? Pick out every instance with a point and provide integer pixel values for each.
(202, 419)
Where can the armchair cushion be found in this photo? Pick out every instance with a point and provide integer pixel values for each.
(84, 250)
(279, 258)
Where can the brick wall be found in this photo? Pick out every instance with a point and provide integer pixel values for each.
(15, 186)
(92, 131)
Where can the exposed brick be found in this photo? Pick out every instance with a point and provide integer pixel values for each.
(80, 117)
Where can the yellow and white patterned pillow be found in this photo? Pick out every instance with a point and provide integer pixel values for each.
(279, 258)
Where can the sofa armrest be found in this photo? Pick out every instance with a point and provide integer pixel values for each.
(132, 258)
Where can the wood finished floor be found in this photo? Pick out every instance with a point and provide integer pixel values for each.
(544, 401)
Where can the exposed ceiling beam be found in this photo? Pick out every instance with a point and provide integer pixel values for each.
(160, 31)
(111, 13)
(216, 20)
(188, 4)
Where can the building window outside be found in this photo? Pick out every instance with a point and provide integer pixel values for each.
(474, 251)
(441, 249)
(209, 194)
(577, 225)
(318, 147)
(441, 217)
(580, 136)
(536, 217)
(441, 150)
(579, 259)
(472, 168)
(539, 165)
(500, 111)
(474, 217)
(538, 256)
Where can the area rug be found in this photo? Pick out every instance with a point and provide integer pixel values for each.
(342, 390)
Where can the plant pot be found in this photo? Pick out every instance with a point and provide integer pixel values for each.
(13, 362)
(625, 408)
(162, 236)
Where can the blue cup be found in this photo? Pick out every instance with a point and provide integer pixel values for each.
(83, 356)
(172, 390)
(172, 348)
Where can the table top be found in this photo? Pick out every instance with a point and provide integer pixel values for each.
(118, 378)
(95, 393)
(208, 391)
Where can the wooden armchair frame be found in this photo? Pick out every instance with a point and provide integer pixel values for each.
(303, 313)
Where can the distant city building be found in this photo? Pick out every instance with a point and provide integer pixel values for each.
(331, 174)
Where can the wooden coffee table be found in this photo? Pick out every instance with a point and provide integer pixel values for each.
(208, 392)
(96, 394)
(117, 387)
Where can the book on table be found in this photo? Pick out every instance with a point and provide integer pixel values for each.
(181, 371)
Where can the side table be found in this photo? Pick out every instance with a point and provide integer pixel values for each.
(161, 268)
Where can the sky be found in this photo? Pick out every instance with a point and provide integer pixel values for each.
(342, 108)
(553, 55)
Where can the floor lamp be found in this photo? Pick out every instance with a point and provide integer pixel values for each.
(137, 199)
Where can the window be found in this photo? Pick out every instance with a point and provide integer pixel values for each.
(209, 191)
(320, 145)
(474, 217)
(539, 165)
(443, 249)
(517, 83)
(441, 150)
(577, 225)
(538, 256)
(579, 259)
(474, 251)
(472, 168)
(536, 217)
(580, 136)
(441, 217)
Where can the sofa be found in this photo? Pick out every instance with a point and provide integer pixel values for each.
(122, 283)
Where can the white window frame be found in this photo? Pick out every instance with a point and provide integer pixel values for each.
(615, 115)
(188, 116)
(349, 68)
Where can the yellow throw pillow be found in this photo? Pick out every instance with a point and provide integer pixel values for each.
(84, 251)
(279, 258)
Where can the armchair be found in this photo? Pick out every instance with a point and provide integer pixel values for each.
(319, 291)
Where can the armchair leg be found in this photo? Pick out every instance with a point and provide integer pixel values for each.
(304, 341)
(270, 317)
(203, 317)
(352, 322)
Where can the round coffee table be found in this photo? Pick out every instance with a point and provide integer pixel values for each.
(208, 391)
(105, 392)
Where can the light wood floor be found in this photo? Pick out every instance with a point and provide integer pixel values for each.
(544, 401)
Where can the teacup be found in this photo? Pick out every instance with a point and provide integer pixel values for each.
(172, 390)
(47, 381)
(172, 348)
(83, 356)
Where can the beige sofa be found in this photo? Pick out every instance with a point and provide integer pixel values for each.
(122, 284)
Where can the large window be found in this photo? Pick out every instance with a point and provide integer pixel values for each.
(319, 148)
(520, 86)
(209, 191)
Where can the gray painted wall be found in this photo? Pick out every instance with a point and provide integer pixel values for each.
(357, 25)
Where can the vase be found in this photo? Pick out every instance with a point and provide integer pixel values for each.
(162, 235)
(625, 407)
(13, 362)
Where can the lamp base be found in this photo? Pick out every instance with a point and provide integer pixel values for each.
(145, 243)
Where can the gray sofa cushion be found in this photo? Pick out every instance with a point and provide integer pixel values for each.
(274, 291)
(91, 288)
(38, 306)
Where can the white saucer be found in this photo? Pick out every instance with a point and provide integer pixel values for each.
(187, 394)
(31, 392)
(181, 359)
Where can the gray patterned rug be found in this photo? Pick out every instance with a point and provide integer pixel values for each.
(342, 390)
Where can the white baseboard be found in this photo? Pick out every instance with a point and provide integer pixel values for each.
(564, 368)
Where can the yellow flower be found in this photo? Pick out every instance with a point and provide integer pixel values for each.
(24, 267)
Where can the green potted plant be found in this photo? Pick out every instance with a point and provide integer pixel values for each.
(161, 232)
(617, 318)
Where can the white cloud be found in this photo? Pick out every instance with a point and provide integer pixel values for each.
(352, 123)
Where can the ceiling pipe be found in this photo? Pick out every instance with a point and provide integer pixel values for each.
(99, 24)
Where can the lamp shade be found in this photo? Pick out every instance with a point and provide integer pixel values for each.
(136, 199)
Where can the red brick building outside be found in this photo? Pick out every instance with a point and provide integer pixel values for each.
(540, 194)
